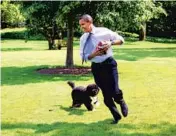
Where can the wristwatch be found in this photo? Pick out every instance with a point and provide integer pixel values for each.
(112, 42)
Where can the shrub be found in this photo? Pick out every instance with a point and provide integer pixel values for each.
(13, 35)
(128, 34)
(161, 40)
(21, 34)
(24, 34)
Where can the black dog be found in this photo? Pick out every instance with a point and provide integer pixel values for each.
(81, 95)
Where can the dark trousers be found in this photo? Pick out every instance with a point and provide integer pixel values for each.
(106, 77)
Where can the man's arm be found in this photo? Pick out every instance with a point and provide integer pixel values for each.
(117, 42)
(116, 39)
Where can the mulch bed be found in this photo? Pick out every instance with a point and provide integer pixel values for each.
(64, 70)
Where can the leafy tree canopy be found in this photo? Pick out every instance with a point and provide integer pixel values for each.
(10, 13)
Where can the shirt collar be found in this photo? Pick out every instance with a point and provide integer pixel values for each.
(93, 29)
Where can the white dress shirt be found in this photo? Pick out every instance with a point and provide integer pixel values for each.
(97, 34)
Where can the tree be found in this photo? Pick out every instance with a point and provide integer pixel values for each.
(151, 10)
(121, 15)
(43, 17)
(10, 14)
(164, 26)
(126, 14)
(70, 13)
(130, 15)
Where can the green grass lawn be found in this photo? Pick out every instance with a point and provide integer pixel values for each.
(38, 105)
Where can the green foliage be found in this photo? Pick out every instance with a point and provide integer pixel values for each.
(165, 25)
(20, 34)
(42, 17)
(10, 13)
(128, 15)
(14, 35)
(128, 34)
(161, 40)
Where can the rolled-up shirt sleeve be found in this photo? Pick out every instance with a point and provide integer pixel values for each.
(116, 36)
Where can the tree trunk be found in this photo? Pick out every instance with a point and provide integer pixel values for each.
(51, 43)
(3, 25)
(69, 59)
(142, 32)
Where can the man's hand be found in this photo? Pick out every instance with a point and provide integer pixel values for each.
(97, 53)
(100, 51)
(104, 44)
(108, 43)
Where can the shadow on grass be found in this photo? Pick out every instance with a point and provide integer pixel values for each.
(100, 128)
(134, 54)
(24, 75)
(15, 49)
(72, 111)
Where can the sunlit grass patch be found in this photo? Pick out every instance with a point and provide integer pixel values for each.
(38, 105)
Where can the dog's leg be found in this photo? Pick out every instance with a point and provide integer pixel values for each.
(88, 104)
(76, 101)
(76, 104)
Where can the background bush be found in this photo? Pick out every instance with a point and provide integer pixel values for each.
(20, 33)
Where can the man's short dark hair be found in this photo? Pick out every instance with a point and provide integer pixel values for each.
(87, 18)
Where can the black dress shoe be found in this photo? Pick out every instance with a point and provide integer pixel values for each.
(124, 108)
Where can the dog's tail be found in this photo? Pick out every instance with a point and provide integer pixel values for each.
(72, 84)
